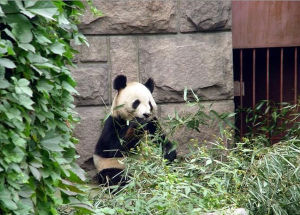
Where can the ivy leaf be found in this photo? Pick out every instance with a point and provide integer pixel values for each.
(47, 66)
(9, 6)
(1, 12)
(69, 88)
(20, 142)
(25, 206)
(36, 164)
(51, 139)
(21, 27)
(9, 204)
(30, 3)
(42, 39)
(23, 10)
(25, 101)
(8, 47)
(79, 172)
(43, 8)
(26, 191)
(27, 47)
(51, 142)
(19, 4)
(22, 87)
(36, 58)
(27, 13)
(35, 172)
(7, 63)
(43, 85)
(5, 198)
(13, 113)
(58, 48)
(4, 84)
(2, 45)
(3, 2)
(9, 33)
(63, 21)
(23, 82)
(2, 72)
(17, 140)
(24, 90)
(16, 155)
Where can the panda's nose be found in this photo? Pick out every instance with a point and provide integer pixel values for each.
(147, 115)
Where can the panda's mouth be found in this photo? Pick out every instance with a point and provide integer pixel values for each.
(137, 123)
(141, 120)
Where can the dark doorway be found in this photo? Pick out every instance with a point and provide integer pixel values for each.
(265, 74)
(266, 40)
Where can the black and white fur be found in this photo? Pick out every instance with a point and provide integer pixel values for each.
(133, 107)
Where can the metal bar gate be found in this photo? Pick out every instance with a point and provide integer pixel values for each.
(264, 74)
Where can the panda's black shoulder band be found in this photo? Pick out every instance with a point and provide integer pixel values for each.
(120, 82)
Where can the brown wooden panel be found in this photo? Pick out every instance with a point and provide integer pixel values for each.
(258, 24)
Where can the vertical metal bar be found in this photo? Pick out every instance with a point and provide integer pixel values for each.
(253, 77)
(267, 85)
(281, 86)
(295, 75)
(267, 75)
(281, 77)
(241, 93)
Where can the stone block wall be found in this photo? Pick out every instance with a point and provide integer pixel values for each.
(179, 43)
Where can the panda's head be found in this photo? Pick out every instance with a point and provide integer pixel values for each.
(133, 100)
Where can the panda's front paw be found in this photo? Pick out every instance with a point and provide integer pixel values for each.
(171, 156)
(139, 125)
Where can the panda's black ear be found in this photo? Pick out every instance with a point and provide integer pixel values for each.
(120, 82)
(150, 84)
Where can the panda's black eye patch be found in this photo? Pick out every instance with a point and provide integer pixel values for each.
(151, 107)
(135, 104)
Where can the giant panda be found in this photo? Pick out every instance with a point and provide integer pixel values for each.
(132, 113)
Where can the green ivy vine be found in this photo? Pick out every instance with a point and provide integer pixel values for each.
(37, 157)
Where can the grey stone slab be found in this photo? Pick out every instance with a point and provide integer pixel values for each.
(209, 15)
(88, 130)
(184, 136)
(95, 52)
(92, 84)
(131, 16)
(202, 62)
(124, 57)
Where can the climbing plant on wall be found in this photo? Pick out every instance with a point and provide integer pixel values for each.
(37, 156)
